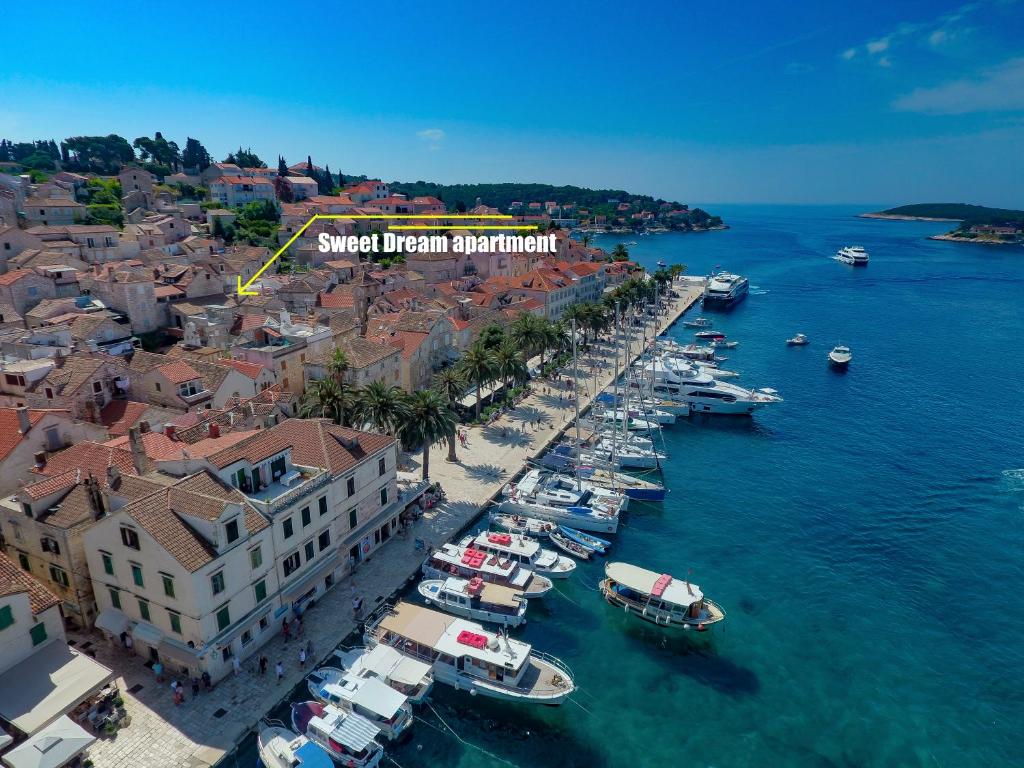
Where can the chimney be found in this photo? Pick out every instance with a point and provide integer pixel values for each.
(96, 503)
(113, 475)
(169, 430)
(139, 458)
(24, 425)
(143, 426)
(214, 429)
(40, 458)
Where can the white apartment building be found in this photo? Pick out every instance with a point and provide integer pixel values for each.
(233, 191)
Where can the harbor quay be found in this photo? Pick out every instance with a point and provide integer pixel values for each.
(207, 726)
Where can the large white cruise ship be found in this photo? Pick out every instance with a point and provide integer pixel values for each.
(853, 254)
(725, 290)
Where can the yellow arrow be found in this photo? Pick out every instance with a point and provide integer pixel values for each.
(243, 289)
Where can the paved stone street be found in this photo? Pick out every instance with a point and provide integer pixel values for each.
(199, 732)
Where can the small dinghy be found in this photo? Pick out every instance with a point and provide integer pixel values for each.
(593, 543)
(798, 341)
(569, 546)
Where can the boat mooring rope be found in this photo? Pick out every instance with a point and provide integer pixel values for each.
(565, 595)
(457, 736)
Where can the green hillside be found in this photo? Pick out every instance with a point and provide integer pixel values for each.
(968, 214)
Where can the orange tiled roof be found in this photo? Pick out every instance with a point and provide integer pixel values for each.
(13, 581)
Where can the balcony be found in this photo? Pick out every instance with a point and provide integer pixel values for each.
(291, 487)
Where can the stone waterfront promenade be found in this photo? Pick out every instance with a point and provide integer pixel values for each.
(201, 731)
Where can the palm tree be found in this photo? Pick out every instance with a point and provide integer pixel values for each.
(477, 365)
(585, 240)
(577, 312)
(620, 253)
(327, 399)
(676, 270)
(526, 334)
(451, 384)
(382, 406)
(509, 365)
(338, 365)
(547, 337)
(427, 420)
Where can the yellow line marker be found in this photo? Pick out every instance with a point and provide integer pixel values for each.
(243, 290)
(467, 226)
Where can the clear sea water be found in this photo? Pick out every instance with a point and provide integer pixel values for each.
(865, 537)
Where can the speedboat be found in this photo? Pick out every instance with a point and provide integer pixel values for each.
(658, 598)
(723, 344)
(593, 543)
(798, 341)
(661, 262)
(348, 738)
(369, 697)
(468, 657)
(524, 550)
(725, 290)
(475, 599)
(711, 335)
(281, 748)
(569, 546)
(454, 560)
(413, 679)
(840, 357)
(697, 322)
(854, 255)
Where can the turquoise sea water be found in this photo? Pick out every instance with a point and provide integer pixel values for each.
(865, 537)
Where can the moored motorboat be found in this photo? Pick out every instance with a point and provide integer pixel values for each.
(593, 543)
(569, 546)
(369, 697)
(475, 599)
(712, 335)
(466, 656)
(411, 678)
(658, 598)
(520, 524)
(798, 341)
(724, 344)
(348, 738)
(697, 322)
(840, 357)
(524, 550)
(467, 562)
(279, 747)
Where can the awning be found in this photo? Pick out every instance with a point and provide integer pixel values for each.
(145, 632)
(391, 665)
(113, 621)
(177, 652)
(355, 732)
(50, 682)
(55, 745)
(302, 587)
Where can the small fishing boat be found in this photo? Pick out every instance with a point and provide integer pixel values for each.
(368, 697)
(840, 357)
(658, 598)
(798, 341)
(661, 262)
(467, 562)
(569, 546)
(697, 322)
(475, 599)
(524, 550)
(723, 344)
(521, 524)
(348, 738)
(281, 748)
(593, 543)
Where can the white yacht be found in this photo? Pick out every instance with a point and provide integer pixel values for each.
(621, 420)
(475, 599)
(617, 455)
(524, 550)
(639, 418)
(701, 391)
(854, 255)
(281, 748)
(453, 560)
(658, 598)
(725, 290)
(375, 700)
(413, 679)
(349, 739)
(468, 657)
(840, 357)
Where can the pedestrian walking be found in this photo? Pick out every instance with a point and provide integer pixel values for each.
(174, 686)
(298, 625)
(236, 665)
(179, 695)
(302, 658)
(279, 668)
(264, 662)
(158, 670)
(195, 687)
(357, 605)
(309, 647)
(286, 629)
(207, 682)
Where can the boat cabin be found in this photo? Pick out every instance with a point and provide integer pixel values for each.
(479, 595)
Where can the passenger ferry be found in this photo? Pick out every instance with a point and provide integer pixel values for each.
(475, 599)
(658, 598)
(853, 255)
(523, 550)
(467, 562)
(468, 657)
(413, 679)
(374, 699)
(725, 290)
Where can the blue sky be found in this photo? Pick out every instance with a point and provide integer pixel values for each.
(718, 102)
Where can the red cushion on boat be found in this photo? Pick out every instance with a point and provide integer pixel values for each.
(472, 639)
(659, 586)
(499, 538)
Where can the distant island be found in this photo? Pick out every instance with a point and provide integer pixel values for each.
(978, 223)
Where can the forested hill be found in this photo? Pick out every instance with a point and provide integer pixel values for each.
(969, 214)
